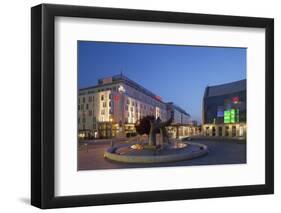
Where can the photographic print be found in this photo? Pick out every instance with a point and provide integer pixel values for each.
(158, 105)
(123, 101)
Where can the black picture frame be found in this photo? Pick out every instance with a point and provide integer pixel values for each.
(43, 102)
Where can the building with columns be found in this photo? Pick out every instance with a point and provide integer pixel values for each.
(224, 110)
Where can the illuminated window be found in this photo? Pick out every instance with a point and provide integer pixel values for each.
(213, 131)
(233, 131)
(227, 131)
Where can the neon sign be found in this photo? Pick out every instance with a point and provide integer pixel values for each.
(231, 116)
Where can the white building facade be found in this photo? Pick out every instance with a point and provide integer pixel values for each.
(114, 106)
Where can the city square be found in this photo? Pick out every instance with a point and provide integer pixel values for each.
(123, 123)
(220, 152)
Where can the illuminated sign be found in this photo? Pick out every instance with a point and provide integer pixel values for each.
(121, 89)
(158, 98)
(235, 100)
(231, 116)
(227, 116)
(116, 97)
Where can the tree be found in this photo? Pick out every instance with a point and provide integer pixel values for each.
(143, 126)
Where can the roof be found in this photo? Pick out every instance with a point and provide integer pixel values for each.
(224, 89)
(123, 79)
(181, 110)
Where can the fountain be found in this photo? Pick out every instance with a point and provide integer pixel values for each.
(165, 150)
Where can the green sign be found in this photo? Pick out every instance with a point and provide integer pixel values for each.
(226, 116)
(231, 116)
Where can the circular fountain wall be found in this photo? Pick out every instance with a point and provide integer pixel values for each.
(138, 153)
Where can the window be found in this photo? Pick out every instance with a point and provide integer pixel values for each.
(83, 99)
(102, 111)
(78, 107)
(104, 104)
(82, 106)
(110, 103)
(102, 97)
(87, 106)
(90, 99)
(90, 113)
(207, 131)
(220, 131)
(227, 131)
(213, 131)
(110, 96)
(233, 131)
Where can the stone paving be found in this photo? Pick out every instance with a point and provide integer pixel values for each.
(90, 157)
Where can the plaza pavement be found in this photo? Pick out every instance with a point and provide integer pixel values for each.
(90, 156)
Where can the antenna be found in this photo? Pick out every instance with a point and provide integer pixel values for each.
(121, 72)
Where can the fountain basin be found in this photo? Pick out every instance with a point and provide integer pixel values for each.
(124, 153)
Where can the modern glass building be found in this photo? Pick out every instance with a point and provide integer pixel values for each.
(224, 111)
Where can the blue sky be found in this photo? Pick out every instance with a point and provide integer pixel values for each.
(176, 73)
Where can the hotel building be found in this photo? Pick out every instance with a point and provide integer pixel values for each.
(224, 110)
(116, 103)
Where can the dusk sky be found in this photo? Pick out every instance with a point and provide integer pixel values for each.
(176, 73)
